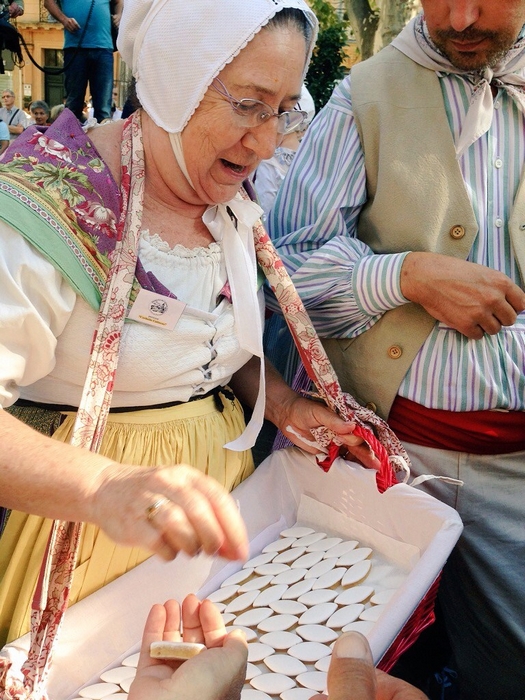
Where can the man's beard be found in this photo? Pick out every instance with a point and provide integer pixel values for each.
(485, 58)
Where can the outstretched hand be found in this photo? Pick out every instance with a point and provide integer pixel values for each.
(217, 673)
(194, 511)
(352, 675)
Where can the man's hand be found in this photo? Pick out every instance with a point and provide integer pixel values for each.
(352, 675)
(471, 298)
(217, 673)
(15, 10)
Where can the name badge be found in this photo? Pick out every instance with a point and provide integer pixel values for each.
(156, 310)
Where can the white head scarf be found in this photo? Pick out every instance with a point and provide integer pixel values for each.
(175, 49)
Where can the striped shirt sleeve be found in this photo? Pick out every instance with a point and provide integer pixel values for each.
(344, 286)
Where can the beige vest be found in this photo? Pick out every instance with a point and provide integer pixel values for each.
(417, 201)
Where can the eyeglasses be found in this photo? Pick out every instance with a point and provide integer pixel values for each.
(252, 113)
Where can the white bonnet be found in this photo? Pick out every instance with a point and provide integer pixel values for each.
(306, 103)
(175, 48)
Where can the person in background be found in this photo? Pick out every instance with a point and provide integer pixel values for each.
(116, 111)
(88, 53)
(14, 8)
(4, 136)
(271, 172)
(13, 116)
(218, 672)
(40, 112)
(402, 222)
(56, 111)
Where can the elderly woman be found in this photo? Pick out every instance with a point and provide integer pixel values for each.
(40, 113)
(218, 83)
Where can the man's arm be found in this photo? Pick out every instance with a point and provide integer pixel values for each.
(70, 24)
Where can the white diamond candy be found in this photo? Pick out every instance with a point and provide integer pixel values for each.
(330, 578)
(317, 614)
(98, 690)
(221, 607)
(354, 556)
(277, 623)
(324, 544)
(242, 602)
(279, 545)
(259, 559)
(252, 694)
(297, 531)
(255, 583)
(363, 626)
(252, 617)
(383, 597)
(272, 569)
(287, 607)
(321, 568)
(372, 614)
(344, 616)
(126, 684)
(248, 632)
(131, 660)
(316, 680)
(272, 683)
(309, 652)
(222, 594)
(289, 577)
(258, 651)
(317, 633)
(307, 560)
(323, 595)
(307, 540)
(251, 671)
(323, 664)
(340, 549)
(356, 573)
(115, 675)
(297, 694)
(280, 640)
(270, 595)
(289, 555)
(284, 663)
(238, 577)
(298, 589)
(228, 617)
(357, 594)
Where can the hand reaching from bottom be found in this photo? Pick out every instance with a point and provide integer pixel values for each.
(217, 673)
(352, 675)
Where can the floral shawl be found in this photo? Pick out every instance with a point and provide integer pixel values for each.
(58, 193)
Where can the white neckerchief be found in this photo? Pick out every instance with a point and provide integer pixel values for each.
(415, 43)
(231, 225)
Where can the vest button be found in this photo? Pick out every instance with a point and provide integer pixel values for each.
(394, 352)
(457, 231)
(371, 406)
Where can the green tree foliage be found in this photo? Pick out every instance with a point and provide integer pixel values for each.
(326, 68)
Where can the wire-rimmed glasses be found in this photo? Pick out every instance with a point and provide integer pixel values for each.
(254, 112)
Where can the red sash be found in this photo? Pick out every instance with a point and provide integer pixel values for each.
(475, 432)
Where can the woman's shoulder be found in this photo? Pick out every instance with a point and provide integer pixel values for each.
(107, 139)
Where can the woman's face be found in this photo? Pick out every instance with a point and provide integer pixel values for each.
(219, 153)
(40, 116)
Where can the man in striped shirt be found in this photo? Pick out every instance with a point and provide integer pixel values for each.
(402, 221)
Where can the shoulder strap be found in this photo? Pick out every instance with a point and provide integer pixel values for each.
(13, 116)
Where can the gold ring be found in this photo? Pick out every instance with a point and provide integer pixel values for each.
(153, 509)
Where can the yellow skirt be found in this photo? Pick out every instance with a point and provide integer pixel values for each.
(191, 433)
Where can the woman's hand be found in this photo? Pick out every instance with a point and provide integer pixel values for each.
(168, 509)
(218, 673)
(352, 675)
(299, 415)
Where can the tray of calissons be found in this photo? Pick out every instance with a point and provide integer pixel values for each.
(328, 553)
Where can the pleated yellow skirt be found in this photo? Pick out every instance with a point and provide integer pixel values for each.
(193, 433)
